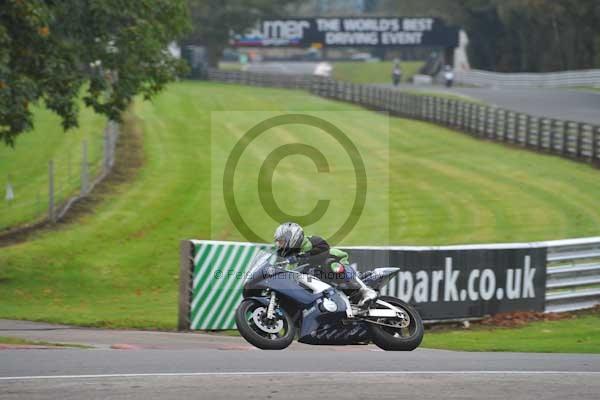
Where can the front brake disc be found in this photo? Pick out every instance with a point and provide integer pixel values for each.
(264, 324)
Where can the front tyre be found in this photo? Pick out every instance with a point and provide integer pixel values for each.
(398, 334)
(275, 334)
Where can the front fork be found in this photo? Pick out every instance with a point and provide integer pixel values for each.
(271, 307)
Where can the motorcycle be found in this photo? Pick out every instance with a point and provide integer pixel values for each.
(449, 78)
(396, 77)
(279, 304)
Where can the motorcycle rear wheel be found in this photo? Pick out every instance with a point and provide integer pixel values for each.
(398, 339)
(256, 335)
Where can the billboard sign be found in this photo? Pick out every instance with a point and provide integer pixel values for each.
(350, 32)
(463, 283)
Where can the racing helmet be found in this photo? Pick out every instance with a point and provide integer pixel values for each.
(288, 237)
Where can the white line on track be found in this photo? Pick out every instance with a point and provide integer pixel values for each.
(271, 373)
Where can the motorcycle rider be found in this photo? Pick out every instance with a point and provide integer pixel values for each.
(333, 263)
(396, 73)
(449, 76)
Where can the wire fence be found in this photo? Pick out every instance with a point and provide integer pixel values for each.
(70, 175)
(570, 139)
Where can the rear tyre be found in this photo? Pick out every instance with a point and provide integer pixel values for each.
(404, 335)
(275, 334)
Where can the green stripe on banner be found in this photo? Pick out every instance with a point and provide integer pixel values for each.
(219, 271)
(218, 286)
(228, 318)
(232, 288)
(201, 273)
(206, 273)
(235, 294)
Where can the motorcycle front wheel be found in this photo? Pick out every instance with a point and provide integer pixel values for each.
(398, 334)
(252, 323)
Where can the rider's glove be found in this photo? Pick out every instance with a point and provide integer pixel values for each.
(338, 268)
(292, 260)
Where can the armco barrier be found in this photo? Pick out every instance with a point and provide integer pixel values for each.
(449, 282)
(569, 139)
(573, 275)
(589, 77)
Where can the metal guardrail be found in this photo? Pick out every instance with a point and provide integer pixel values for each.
(573, 275)
(553, 79)
(569, 139)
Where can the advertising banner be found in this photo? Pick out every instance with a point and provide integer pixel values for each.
(442, 283)
(350, 32)
(463, 283)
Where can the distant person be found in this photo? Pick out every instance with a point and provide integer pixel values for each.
(397, 74)
(449, 76)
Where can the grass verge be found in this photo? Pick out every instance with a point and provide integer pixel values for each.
(578, 334)
(25, 167)
(372, 72)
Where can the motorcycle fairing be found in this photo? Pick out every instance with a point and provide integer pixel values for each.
(339, 333)
(379, 277)
(289, 287)
(315, 316)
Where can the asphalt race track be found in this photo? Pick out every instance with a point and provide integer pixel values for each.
(566, 104)
(148, 365)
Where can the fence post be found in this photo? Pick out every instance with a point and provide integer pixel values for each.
(84, 168)
(490, 123)
(551, 137)
(521, 129)
(511, 127)
(481, 111)
(467, 117)
(564, 135)
(499, 133)
(361, 94)
(506, 126)
(595, 147)
(51, 214)
(540, 133)
(185, 284)
(527, 130)
(578, 150)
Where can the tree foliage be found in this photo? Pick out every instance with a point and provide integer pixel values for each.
(547, 35)
(51, 49)
(517, 35)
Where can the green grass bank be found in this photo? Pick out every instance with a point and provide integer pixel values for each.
(118, 265)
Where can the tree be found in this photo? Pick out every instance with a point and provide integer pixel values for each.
(50, 50)
(215, 20)
(532, 35)
(517, 35)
